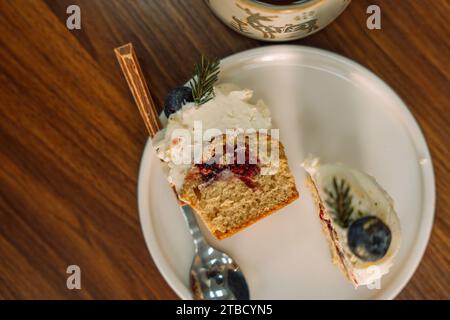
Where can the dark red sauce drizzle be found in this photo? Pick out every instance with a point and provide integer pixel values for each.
(245, 172)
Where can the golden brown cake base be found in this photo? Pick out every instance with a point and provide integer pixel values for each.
(229, 204)
(222, 235)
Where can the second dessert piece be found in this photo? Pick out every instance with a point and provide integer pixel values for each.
(358, 219)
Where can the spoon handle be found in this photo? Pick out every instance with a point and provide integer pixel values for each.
(191, 221)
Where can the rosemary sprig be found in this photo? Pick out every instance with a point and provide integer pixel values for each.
(206, 73)
(340, 200)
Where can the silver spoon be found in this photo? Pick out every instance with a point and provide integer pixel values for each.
(214, 275)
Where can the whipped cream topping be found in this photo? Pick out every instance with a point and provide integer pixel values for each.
(230, 109)
(368, 197)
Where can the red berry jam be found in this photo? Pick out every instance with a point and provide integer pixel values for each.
(246, 171)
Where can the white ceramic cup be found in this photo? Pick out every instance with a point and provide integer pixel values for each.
(269, 22)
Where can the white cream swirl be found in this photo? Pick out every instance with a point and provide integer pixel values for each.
(230, 109)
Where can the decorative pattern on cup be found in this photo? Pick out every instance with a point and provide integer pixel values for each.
(261, 23)
(277, 23)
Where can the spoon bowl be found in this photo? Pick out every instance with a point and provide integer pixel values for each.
(214, 275)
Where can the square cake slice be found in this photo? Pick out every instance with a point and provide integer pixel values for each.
(230, 197)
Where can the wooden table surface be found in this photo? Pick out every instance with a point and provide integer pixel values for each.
(71, 138)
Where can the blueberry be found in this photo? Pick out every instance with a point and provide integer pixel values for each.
(176, 99)
(369, 238)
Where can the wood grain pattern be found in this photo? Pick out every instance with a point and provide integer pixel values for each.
(71, 138)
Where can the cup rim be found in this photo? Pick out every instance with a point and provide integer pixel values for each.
(284, 8)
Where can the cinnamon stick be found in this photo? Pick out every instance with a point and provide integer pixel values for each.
(141, 94)
(138, 86)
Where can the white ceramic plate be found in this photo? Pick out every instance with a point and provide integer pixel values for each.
(336, 109)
